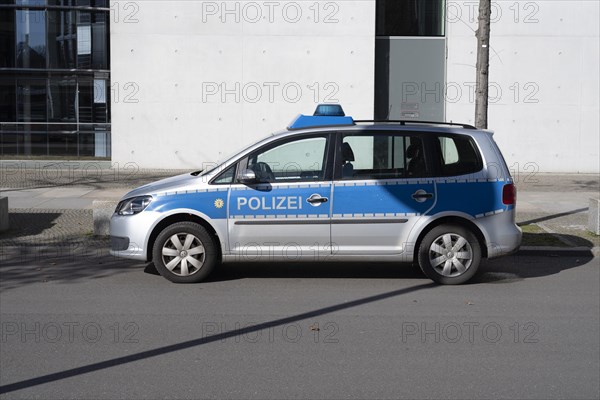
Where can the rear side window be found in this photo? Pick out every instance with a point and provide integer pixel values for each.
(382, 156)
(459, 156)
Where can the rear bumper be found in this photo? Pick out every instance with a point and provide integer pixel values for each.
(502, 234)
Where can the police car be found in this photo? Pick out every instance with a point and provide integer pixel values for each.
(330, 188)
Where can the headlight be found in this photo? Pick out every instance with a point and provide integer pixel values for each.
(133, 206)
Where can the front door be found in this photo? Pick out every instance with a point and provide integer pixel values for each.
(380, 192)
(285, 215)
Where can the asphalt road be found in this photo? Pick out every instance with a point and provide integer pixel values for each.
(78, 324)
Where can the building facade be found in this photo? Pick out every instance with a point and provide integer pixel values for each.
(192, 81)
(54, 79)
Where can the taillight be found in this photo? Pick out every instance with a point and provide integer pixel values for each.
(509, 194)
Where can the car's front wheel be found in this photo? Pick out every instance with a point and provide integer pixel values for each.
(184, 252)
(449, 254)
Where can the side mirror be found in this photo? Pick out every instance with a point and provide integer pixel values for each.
(247, 176)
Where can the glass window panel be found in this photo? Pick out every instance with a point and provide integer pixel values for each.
(100, 91)
(35, 140)
(99, 42)
(64, 3)
(62, 144)
(99, 106)
(61, 100)
(101, 143)
(10, 140)
(410, 17)
(31, 100)
(7, 38)
(31, 2)
(86, 95)
(8, 101)
(31, 39)
(87, 143)
(84, 40)
(62, 39)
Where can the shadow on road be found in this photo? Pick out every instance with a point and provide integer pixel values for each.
(75, 260)
(502, 270)
(29, 224)
(553, 216)
(299, 270)
(53, 377)
(529, 265)
(78, 259)
(555, 239)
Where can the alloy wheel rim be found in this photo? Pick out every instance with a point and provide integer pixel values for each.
(183, 254)
(450, 255)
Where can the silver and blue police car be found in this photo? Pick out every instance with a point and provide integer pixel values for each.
(330, 188)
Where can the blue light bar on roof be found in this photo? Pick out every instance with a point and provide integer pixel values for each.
(325, 115)
(330, 110)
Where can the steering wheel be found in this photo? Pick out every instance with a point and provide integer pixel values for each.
(263, 172)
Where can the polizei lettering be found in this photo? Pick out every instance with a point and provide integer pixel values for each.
(270, 203)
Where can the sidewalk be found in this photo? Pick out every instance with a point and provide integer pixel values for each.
(551, 208)
(73, 189)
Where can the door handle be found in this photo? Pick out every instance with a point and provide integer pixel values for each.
(316, 200)
(421, 195)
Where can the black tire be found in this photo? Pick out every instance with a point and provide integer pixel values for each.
(449, 263)
(198, 265)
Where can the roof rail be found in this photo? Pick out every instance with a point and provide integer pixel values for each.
(404, 122)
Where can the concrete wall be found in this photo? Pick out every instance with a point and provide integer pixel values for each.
(196, 80)
(544, 81)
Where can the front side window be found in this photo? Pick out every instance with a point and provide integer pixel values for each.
(293, 161)
(380, 156)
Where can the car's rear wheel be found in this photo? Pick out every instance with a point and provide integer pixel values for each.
(449, 254)
(184, 252)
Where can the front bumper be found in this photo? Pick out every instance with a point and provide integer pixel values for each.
(129, 235)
